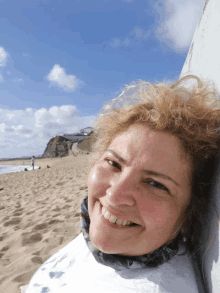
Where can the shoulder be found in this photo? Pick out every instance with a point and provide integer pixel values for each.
(176, 275)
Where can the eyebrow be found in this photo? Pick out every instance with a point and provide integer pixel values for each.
(148, 172)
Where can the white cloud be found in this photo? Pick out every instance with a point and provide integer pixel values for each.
(140, 33)
(175, 20)
(115, 43)
(2, 127)
(27, 132)
(3, 56)
(179, 21)
(58, 76)
(135, 36)
(17, 80)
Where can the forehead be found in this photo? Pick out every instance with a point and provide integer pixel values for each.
(140, 138)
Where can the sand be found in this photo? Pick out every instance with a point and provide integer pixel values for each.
(39, 214)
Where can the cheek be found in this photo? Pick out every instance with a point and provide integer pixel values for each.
(157, 212)
(97, 180)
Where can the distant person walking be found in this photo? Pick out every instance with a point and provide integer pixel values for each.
(32, 161)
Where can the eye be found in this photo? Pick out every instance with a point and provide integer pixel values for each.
(114, 164)
(157, 185)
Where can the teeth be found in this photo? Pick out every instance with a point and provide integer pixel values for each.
(113, 219)
(107, 215)
(119, 222)
(124, 222)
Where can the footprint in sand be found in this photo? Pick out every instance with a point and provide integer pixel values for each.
(66, 206)
(18, 212)
(5, 248)
(56, 209)
(36, 253)
(65, 230)
(2, 238)
(32, 239)
(83, 187)
(43, 226)
(69, 200)
(54, 221)
(37, 259)
(67, 217)
(60, 183)
(77, 215)
(13, 221)
(40, 226)
(24, 277)
(56, 215)
(18, 205)
(29, 213)
(5, 261)
(54, 241)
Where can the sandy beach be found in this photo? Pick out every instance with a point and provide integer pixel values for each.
(39, 214)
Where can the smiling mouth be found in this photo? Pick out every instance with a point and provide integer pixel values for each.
(112, 219)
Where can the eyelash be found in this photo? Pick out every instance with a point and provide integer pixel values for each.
(114, 163)
(163, 188)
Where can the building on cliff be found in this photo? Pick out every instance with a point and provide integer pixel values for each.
(61, 145)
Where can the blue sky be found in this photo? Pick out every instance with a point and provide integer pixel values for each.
(61, 60)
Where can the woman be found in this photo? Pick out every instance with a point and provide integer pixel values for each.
(32, 161)
(153, 160)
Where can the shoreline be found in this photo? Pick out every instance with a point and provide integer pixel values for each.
(13, 168)
(37, 162)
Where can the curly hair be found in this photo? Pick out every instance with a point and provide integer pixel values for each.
(191, 113)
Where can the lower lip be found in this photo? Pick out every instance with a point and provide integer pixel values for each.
(113, 225)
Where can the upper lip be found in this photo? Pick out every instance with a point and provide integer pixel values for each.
(117, 214)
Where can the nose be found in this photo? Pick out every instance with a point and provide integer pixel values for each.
(122, 190)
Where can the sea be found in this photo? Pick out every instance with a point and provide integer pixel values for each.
(15, 168)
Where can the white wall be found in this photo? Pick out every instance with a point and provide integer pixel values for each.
(203, 60)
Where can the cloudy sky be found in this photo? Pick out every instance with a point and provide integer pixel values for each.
(60, 60)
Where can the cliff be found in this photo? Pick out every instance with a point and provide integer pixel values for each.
(61, 145)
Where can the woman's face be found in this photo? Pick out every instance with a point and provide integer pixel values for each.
(140, 178)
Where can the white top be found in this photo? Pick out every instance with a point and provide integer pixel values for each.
(74, 269)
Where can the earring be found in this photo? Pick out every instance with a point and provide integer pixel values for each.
(184, 239)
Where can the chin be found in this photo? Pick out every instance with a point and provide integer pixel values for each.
(107, 252)
(103, 246)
